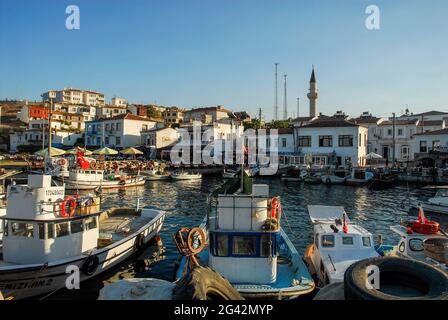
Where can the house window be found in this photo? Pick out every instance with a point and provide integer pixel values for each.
(359, 140)
(117, 140)
(346, 141)
(400, 132)
(106, 140)
(435, 144)
(405, 152)
(284, 142)
(118, 126)
(389, 132)
(423, 146)
(304, 141)
(325, 141)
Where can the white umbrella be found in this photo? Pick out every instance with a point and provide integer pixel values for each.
(373, 155)
(105, 151)
(54, 152)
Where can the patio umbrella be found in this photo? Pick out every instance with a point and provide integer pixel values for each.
(75, 151)
(53, 153)
(373, 155)
(131, 151)
(105, 151)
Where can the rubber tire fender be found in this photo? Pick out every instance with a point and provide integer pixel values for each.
(412, 273)
(90, 265)
(204, 284)
(139, 241)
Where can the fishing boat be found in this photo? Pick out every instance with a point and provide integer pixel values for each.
(383, 181)
(155, 175)
(436, 204)
(422, 240)
(294, 175)
(359, 177)
(80, 179)
(185, 175)
(47, 237)
(246, 244)
(312, 179)
(332, 179)
(337, 244)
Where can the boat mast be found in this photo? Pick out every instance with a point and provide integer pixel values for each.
(393, 139)
(49, 127)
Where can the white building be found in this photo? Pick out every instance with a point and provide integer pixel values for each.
(120, 131)
(119, 102)
(75, 96)
(371, 123)
(33, 138)
(206, 115)
(108, 111)
(159, 137)
(327, 141)
(434, 141)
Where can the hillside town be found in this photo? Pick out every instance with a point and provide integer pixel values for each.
(84, 118)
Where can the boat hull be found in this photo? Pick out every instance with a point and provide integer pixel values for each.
(330, 179)
(186, 177)
(431, 207)
(27, 281)
(105, 184)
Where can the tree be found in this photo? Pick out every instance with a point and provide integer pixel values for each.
(254, 124)
(279, 124)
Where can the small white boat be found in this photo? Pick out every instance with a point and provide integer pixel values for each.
(185, 176)
(80, 179)
(155, 175)
(45, 240)
(337, 244)
(247, 246)
(436, 204)
(430, 247)
(332, 179)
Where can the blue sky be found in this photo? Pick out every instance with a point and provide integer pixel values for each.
(207, 52)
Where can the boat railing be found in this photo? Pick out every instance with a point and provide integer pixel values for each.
(213, 222)
(56, 206)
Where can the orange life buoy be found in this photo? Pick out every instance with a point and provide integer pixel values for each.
(72, 203)
(275, 209)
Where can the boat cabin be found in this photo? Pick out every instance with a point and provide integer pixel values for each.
(34, 230)
(86, 175)
(242, 237)
(337, 244)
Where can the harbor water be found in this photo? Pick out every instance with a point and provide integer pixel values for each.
(185, 204)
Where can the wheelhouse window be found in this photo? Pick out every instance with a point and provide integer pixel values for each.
(265, 245)
(366, 242)
(90, 223)
(348, 241)
(325, 141)
(304, 141)
(328, 241)
(222, 245)
(20, 229)
(244, 245)
(62, 229)
(76, 226)
(416, 245)
(346, 141)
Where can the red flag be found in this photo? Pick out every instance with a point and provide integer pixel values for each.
(344, 227)
(81, 161)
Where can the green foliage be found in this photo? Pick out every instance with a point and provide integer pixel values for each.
(254, 124)
(279, 124)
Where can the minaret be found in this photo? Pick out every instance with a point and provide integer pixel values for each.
(313, 95)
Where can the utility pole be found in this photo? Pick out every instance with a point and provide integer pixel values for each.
(393, 139)
(259, 117)
(285, 101)
(276, 93)
(298, 107)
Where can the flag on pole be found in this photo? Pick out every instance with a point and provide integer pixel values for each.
(344, 227)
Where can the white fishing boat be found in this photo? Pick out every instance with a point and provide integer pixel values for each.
(247, 246)
(436, 204)
(422, 240)
(80, 179)
(337, 244)
(155, 175)
(185, 175)
(47, 238)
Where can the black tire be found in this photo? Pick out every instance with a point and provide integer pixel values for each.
(90, 265)
(204, 284)
(139, 241)
(419, 280)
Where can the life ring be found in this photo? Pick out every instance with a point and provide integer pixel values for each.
(72, 203)
(62, 162)
(192, 239)
(275, 209)
(139, 241)
(90, 265)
